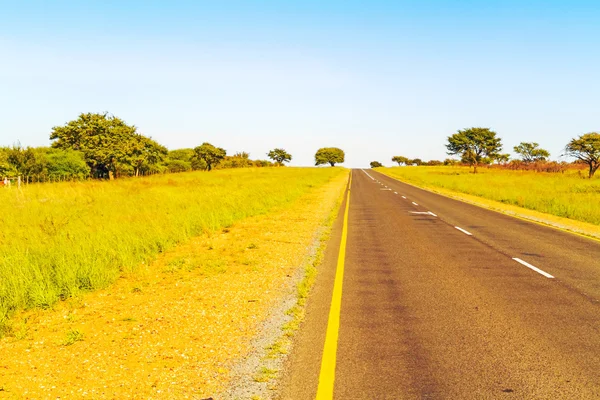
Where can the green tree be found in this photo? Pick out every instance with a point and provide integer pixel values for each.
(262, 163)
(586, 148)
(329, 155)
(531, 152)
(434, 163)
(450, 161)
(238, 160)
(6, 168)
(375, 164)
(400, 160)
(181, 154)
(474, 145)
(178, 166)
(181, 160)
(110, 146)
(210, 154)
(66, 164)
(279, 156)
(26, 162)
(198, 164)
(144, 153)
(417, 162)
(502, 158)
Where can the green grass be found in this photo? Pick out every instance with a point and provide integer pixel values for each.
(58, 240)
(73, 336)
(569, 195)
(265, 374)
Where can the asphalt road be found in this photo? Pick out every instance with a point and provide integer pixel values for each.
(430, 311)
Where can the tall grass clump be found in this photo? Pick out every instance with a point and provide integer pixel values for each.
(569, 194)
(57, 240)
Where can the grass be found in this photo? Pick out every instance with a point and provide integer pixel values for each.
(265, 374)
(74, 335)
(202, 304)
(569, 195)
(58, 240)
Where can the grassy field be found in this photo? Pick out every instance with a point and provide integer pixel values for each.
(569, 195)
(185, 324)
(58, 240)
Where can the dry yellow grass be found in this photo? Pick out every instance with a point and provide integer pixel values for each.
(174, 329)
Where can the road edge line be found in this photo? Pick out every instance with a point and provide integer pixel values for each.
(328, 361)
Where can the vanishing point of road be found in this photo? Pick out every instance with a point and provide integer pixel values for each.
(425, 297)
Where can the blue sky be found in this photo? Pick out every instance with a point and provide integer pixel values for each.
(376, 78)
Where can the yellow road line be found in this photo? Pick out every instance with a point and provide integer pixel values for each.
(327, 375)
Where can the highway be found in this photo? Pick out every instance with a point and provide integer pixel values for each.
(445, 300)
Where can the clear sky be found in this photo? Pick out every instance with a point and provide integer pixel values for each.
(376, 78)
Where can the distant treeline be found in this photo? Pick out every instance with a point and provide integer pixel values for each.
(103, 146)
(482, 147)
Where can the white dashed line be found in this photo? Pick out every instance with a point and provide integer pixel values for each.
(415, 203)
(539, 271)
(430, 213)
(395, 192)
(368, 174)
(463, 231)
(404, 197)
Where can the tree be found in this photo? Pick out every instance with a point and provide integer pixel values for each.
(110, 146)
(6, 168)
(586, 148)
(262, 163)
(238, 160)
(279, 156)
(66, 164)
(375, 164)
(144, 152)
(531, 152)
(417, 162)
(400, 160)
(210, 154)
(178, 166)
(329, 155)
(24, 162)
(181, 160)
(450, 161)
(474, 145)
(434, 163)
(502, 158)
(181, 154)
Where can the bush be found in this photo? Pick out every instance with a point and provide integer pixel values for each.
(178, 166)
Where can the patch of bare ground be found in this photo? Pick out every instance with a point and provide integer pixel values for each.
(175, 329)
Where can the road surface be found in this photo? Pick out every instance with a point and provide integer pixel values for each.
(444, 300)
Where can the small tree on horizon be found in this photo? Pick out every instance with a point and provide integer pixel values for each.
(586, 148)
(531, 152)
(329, 155)
(210, 154)
(279, 156)
(475, 146)
(400, 160)
(376, 164)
